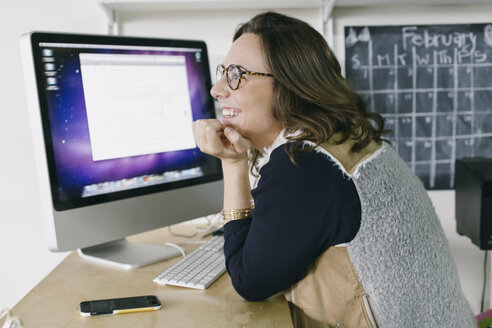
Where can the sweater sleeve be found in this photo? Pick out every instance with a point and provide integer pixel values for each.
(300, 210)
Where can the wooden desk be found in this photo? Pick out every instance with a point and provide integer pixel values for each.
(54, 301)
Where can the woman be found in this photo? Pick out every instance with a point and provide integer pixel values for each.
(339, 222)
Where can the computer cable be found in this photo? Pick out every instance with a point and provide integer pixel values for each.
(179, 248)
(175, 234)
(213, 221)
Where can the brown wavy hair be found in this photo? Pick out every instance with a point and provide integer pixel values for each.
(310, 94)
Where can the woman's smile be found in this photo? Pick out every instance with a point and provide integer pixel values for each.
(230, 112)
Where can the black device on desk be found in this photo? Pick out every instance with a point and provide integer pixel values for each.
(120, 305)
(473, 184)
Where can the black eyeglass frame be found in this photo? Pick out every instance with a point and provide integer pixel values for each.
(242, 71)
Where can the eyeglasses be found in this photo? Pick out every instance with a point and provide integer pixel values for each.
(234, 73)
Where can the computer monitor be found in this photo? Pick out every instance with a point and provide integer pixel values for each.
(111, 120)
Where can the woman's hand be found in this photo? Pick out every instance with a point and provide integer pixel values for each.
(214, 138)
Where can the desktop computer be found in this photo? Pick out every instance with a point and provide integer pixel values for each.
(473, 185)
(111, 120)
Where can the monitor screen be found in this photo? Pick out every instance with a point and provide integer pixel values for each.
(117, 118)
(111, 120)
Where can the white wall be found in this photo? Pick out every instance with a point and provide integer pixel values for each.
(216, 27)
(25, 259)
(468, 257)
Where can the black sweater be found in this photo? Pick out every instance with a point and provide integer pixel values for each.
(300, 211)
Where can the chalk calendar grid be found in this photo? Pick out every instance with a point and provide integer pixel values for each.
(433, 86)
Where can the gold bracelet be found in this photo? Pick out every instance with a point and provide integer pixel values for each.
(229, 215)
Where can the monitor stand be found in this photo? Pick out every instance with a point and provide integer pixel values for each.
(126, 255)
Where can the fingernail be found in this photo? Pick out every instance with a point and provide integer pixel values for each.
(227, 130)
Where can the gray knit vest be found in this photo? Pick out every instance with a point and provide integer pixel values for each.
(400, 253)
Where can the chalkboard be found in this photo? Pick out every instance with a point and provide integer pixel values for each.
(433, 86)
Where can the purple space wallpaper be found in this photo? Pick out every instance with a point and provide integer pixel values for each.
(70, 133)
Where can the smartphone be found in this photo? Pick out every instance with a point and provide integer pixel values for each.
(120, 305)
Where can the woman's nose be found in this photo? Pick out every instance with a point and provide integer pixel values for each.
(220, 89)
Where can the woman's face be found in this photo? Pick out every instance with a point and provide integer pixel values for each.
(248, 109)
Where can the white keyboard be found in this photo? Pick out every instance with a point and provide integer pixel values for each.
(199, 269)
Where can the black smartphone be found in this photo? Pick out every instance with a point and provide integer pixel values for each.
(120, 305)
